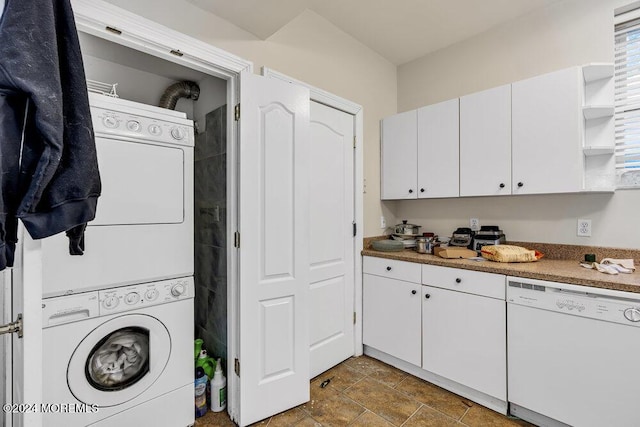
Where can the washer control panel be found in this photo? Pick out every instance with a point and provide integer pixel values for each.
(134, 297)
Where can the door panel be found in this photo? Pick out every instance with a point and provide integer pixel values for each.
(27, 351)
(485, 142)
(331, 205)
(399, 166)
(274, 262)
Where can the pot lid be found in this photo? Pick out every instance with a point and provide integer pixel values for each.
(404, 224)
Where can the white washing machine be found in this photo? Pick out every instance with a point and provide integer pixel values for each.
(120, 357)
(143, 230)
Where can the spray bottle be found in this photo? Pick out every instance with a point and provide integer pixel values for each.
(218, 389)
(200, 385)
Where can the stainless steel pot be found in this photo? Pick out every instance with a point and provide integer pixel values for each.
(405, 228)
(424, 245)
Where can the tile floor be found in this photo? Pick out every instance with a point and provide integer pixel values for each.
(364, 392)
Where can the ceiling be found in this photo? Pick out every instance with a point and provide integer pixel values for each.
(399, 30)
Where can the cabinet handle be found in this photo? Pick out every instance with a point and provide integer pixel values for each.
(520, 184)
(388, 268)
(427, 296)
(422, 190)
(458, 280)
(413, 292)
(502, 185)
(410, 191)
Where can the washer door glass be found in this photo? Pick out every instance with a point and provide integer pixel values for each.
(119, 360)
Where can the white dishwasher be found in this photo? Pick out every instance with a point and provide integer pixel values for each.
(573, 354)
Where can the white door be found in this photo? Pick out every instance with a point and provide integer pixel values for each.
(398, 148)
(547, 124)
(439, 150)
(331, 213)
(27, 351)
(274, 247)
(485, 142)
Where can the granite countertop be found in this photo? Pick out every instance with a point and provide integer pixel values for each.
(554, 270)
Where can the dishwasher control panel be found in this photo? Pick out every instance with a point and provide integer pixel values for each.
(584, 301)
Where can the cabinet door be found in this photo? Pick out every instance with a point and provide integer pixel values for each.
(485, 142)
(398, 170)
(391, 317)
(464, 339)
(547, 121)
(438, 150)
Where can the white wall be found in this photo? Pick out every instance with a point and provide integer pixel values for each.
(570, 32)
(313, 50)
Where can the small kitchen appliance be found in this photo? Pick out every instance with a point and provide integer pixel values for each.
(462, 237)
(488, 235)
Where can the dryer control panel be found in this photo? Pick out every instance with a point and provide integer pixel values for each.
(77, 307)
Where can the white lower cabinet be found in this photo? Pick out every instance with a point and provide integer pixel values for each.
(464, 324)
(450, 330)
(391, 317)
(463, 339)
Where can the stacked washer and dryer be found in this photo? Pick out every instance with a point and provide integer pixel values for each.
(118, 320)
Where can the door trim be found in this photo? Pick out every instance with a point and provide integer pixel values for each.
(342, 104)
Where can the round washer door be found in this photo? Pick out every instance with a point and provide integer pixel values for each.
(119, 360)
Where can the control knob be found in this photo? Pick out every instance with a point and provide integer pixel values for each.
(155, 130)
(133, 125)
(177, 133)
(632, 314)
(132, 298)
(178, 289)
(151, 294)
(110, 302)
(110, 122)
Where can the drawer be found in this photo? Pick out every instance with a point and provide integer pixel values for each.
(472, 282)
(400, 270)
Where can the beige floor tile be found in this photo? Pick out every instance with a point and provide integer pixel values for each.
(434, 396)
(307, 422)
(215, 419)
(429, 417)
(377, 370)
(341, 376)
(479, 416)
(369, 419)
(387, 402)
(288, 418)
(331, 407)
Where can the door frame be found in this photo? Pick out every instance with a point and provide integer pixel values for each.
(342, 104)
(120, 26)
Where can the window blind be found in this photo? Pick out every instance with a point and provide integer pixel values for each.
(627, 101)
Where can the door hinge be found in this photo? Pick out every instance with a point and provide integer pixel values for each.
(236, 239)
(354, 142)
(236, 112)
(236, 367)
(355, 229)
(13, 327)
(354, 317)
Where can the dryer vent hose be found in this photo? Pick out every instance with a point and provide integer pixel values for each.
(179, 90)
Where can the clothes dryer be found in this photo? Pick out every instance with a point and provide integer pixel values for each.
(120, 357)
(143, 230)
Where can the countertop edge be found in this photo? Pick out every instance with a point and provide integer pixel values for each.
(563, 271)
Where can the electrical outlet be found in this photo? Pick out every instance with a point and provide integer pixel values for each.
(383, 222)
(584, 227)
(474, 223)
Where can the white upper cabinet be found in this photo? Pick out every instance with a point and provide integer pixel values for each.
(399, 173)
(547, 133)
(438, 150)
(485, 142)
